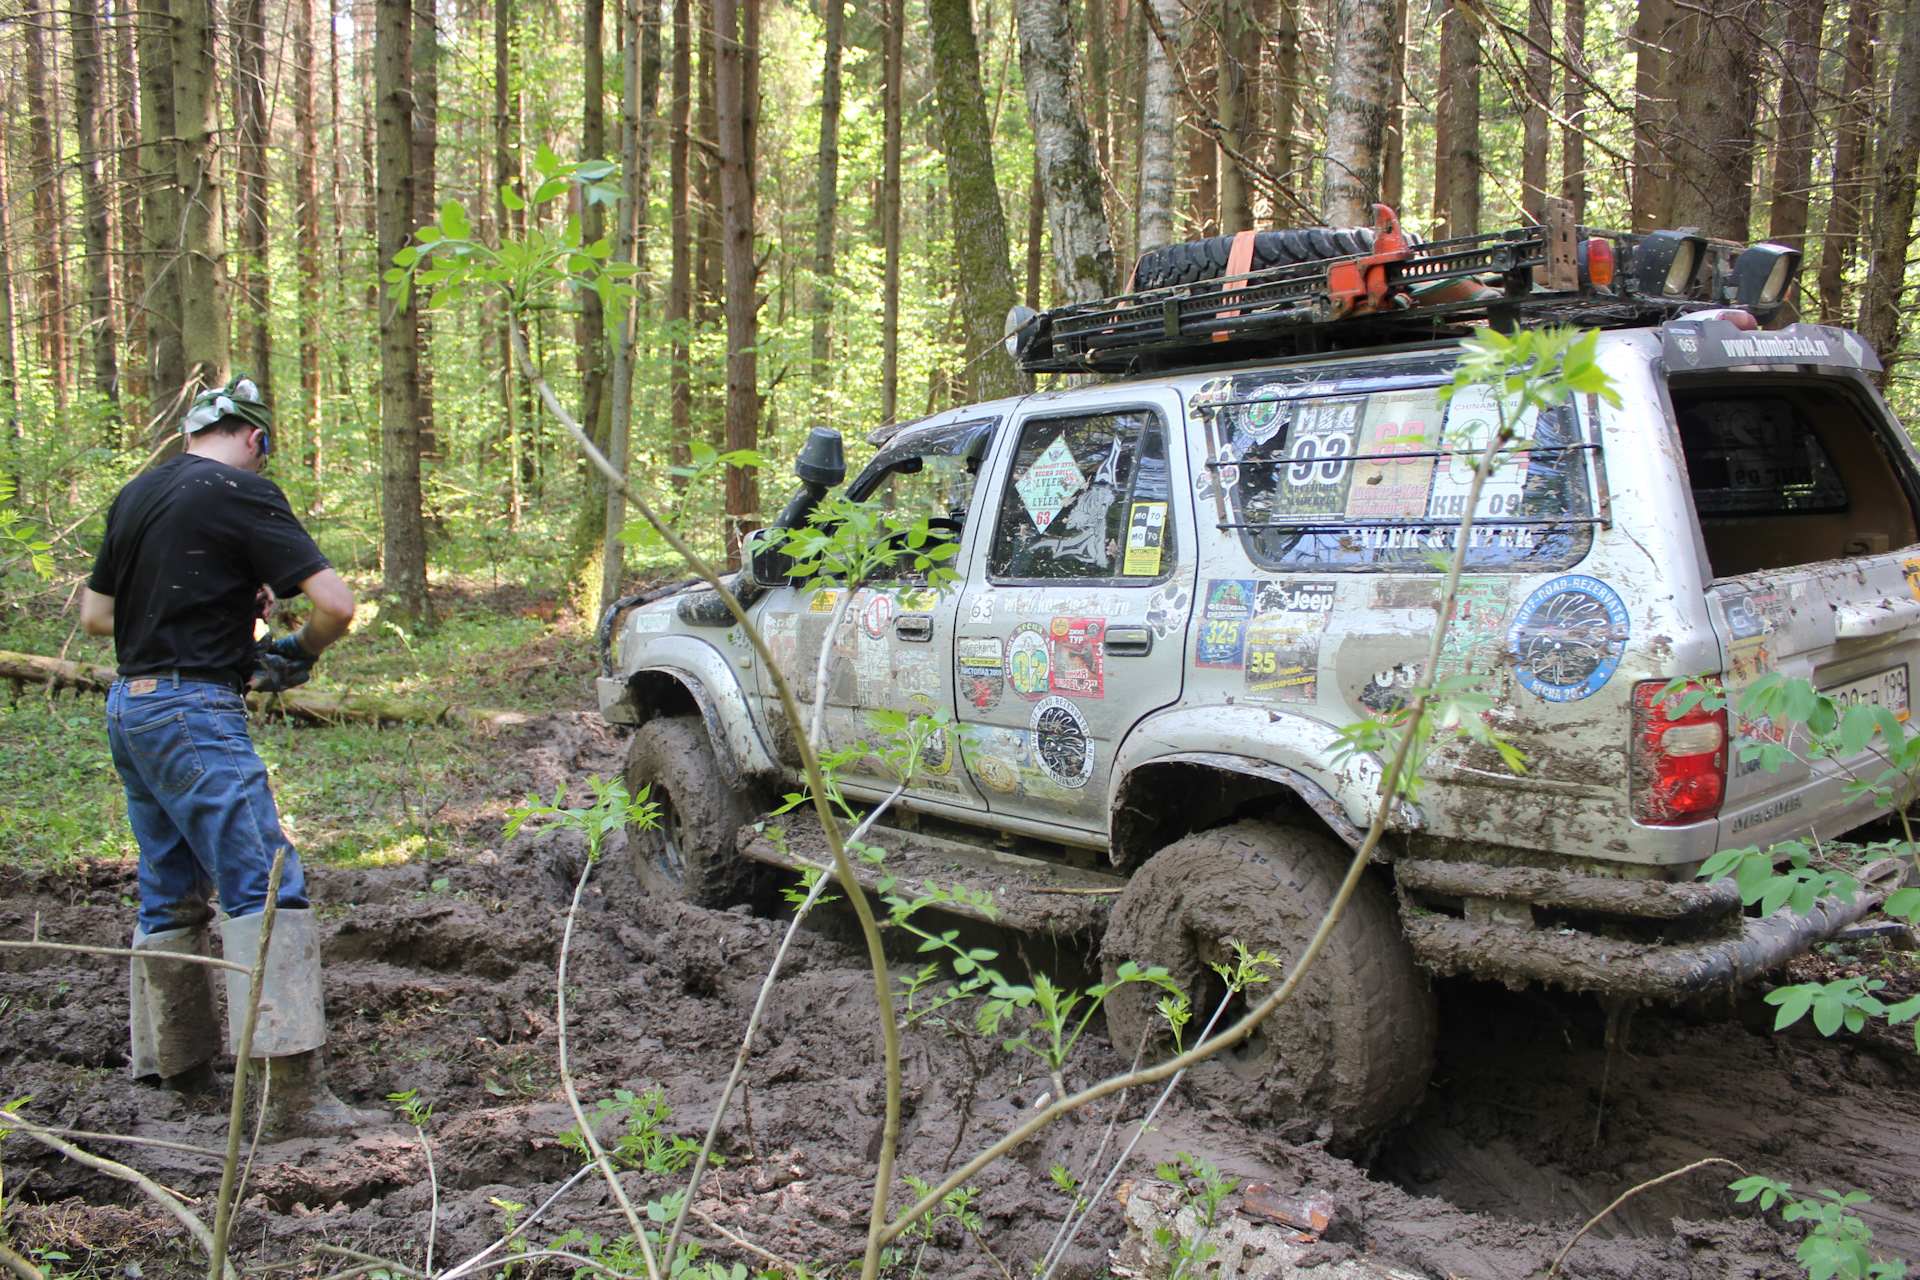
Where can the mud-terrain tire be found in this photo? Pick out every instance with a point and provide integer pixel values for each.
(690, 853)
(1354, 1046)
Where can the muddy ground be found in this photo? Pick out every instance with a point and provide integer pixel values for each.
(1530, 1126)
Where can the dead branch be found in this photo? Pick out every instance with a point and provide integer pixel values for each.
(120, 951)
(165, 1198)
(243, 1058)
(1624, 1196)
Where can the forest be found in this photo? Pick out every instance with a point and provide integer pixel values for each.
(826, 211)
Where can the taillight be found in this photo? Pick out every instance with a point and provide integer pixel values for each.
(1679, 763)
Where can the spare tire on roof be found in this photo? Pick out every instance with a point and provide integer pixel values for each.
(1195, 260)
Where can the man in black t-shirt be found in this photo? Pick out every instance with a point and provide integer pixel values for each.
(193, 550)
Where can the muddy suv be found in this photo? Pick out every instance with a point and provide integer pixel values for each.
(1179, 582)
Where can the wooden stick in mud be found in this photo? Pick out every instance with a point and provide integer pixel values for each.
(319, 708)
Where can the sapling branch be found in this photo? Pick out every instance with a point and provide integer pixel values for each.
(810, 766)
(166, 1199)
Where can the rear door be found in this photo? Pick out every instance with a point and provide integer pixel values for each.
(1804, 489)
(1071, 626)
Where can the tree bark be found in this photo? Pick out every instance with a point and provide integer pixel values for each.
(89, 128)
(425, 58)
(1357, 95)
(679, 316)
(203, 256)
(250, 128)
(1464, 164)
(979, 225)
(160, 223)
(1715, 95)
(9, 343)
(512, 223)
(588, 550)
(1573, 107)
(1849, 163)
(1235, 96)
(1897, 161)
(893, 60)
(1653, 114)
(827, 213)
(639, 93)
(1533, 115)
(306, 218)
(44, 174)
(1068, 177)
(1286, 111)
(737, 103)
(1201, 63)
(1159, 120)
(1393, 161)
(1794, 135)
(403, 546)
(131, 247)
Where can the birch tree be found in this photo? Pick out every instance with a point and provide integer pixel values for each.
(1063, 150)
(1358, 95)
(1159, 118)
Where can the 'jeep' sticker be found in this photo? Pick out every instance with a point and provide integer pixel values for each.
(1283, 638)
(1567, 638)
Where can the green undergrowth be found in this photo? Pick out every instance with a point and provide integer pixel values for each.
(349, 795)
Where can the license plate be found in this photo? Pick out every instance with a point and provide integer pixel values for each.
(1882, 689)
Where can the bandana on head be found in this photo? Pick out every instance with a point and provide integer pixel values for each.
(240, 400)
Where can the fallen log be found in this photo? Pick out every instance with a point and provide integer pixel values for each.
(24, 669)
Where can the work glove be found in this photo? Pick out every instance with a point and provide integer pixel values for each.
(283, 665)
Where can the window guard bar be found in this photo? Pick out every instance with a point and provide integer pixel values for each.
(1323, 458)
(1395, 522)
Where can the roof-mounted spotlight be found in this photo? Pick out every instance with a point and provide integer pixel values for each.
(1023, 327)
(1666, 262)
(1763, 273)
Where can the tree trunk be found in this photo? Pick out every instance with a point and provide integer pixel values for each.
(1653, 113)
(1357, 95)
(639, 92)
(1202, 63)
(588, 550)
(45, 175)
(827, 213)
(250, 127)
(9, 360)
(1393, 162)
(737, 106)
(425, 58)
(1463, 122)
(1793, 142)
(1849, 162)
(893, 60)
(160, 223)
(88, 75)
(506, 173)
(979, 225)
(1286, 111)
(1573, 106)
(1715, 93)
(1897, 161)
(1159, 120)
(1068, 178)
(1234, 94)
(1533, 115)
(680, 278)
(203, 256)
(404, 546)
(131, 248)
(306, 200)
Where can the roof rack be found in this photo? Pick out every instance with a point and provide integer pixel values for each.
(1557, 272)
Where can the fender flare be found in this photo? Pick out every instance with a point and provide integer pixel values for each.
(725, 707)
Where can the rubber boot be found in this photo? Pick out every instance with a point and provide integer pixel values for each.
(290, 1028)
(172, 1030)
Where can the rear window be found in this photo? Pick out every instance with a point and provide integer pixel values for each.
(1378, 480)
(1750, 455)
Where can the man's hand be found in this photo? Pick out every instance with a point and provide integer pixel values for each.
(263, 603)
(284, 665)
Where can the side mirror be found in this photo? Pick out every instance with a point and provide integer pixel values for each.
(765, 565)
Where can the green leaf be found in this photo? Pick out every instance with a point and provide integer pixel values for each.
(453, 220)
(511, 199)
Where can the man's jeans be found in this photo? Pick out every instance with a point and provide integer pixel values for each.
(198, 800)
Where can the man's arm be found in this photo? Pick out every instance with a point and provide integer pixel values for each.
(96, 612)
(332, 611)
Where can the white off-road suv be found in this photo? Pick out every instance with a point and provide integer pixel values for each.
(1178, 582)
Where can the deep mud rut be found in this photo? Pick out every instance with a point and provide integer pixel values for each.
(452, 993)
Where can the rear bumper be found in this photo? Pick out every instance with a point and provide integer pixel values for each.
(1507, 950)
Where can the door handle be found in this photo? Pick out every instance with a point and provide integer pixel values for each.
(914, 627)
(1129, 642)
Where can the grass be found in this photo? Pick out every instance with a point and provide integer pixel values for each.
(351, 795)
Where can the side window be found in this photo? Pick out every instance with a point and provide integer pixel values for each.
(1089, 500)
(1378, 480)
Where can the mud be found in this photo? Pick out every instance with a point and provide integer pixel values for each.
(1529, 1128)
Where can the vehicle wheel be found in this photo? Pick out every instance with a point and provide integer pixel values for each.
(1353, 1046)
(690, 853)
